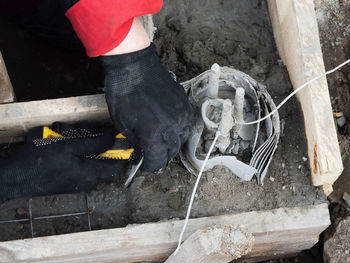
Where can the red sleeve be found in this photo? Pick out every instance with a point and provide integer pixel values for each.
(103, 24)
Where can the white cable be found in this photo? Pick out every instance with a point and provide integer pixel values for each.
(294, 92)
(245, 123)
(194, 192)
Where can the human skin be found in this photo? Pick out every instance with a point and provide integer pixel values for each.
(136, 40)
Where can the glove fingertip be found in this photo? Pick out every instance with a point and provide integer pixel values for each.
(154, 164)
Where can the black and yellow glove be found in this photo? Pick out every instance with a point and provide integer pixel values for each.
(147, 105)
(62, 159)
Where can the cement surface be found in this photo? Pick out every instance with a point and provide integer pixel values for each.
(192, 35)
(337, 248)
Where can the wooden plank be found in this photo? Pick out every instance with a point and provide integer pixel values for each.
(17, 118)
(296, 32)
(276, 28)
(214, 245)
(6, 91)
(276, 232)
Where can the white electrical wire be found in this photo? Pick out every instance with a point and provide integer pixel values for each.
(245, 123)
(194, 192)
(294, 92)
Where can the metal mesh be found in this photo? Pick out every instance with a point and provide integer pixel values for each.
(31, 219)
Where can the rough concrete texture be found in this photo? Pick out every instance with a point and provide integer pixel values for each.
(192, 35)
(334, 25)
(337, 248)
(346, 198)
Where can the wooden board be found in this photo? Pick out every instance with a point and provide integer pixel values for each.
(6, 91)
(276, 232)
(214, 245)
(17, 118)
(296, 32)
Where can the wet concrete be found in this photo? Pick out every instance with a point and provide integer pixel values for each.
(192, 35)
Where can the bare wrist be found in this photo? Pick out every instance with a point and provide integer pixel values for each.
(136, 40)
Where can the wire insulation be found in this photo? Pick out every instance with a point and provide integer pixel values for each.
(194, 191)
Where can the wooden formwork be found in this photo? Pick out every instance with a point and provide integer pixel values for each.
(296, 32)
(6, 91)
(277, 232)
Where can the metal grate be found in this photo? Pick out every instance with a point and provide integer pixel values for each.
(31, 219)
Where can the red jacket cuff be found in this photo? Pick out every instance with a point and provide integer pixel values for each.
(102, 25)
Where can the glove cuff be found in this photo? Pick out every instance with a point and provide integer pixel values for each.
(129, 58)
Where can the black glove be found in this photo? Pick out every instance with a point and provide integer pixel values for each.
(57, 165)
(147, 105)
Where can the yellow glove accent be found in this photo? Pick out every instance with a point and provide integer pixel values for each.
(120, 136)
(48, 133)
(117, 154)
(110, 154)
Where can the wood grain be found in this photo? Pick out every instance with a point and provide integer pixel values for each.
(276, 232)
(17, 118)
(6, 91)
(297, 37)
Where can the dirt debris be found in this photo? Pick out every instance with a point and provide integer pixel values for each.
(192, 35)
(334, 26)
(337, 248)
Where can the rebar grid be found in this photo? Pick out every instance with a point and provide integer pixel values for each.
(31, 218)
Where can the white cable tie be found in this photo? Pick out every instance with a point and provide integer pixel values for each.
(294, 92)
(194, 191)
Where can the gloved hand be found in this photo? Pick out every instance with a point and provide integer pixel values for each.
(147, 105)
(64, 161)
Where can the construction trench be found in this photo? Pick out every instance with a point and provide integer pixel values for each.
(190, 38)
